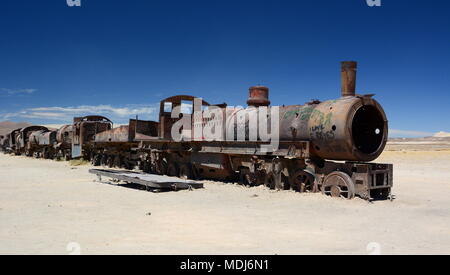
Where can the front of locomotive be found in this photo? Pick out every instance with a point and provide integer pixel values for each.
(352, 128)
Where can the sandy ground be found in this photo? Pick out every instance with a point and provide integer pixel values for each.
(48, 207)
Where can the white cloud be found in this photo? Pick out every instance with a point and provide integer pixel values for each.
(17, 91)
(99, 109)
(408, 133)
(115, 113)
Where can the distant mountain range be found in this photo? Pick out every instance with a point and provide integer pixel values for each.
(438, 137)
(442, 135)
(7, 126)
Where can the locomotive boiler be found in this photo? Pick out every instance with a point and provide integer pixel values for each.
(351, 128)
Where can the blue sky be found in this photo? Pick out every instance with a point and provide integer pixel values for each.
(121, 57)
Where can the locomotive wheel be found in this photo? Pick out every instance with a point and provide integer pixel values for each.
(303, 181)
(95, 160)
(284, 183)
(67, 156)
(161, 167)
(172, 169)
(186, 172)
(243, 180)
(270, 181)
(339, 184)
(127, 164)
(92, 158)
(277, 182)
(110, 161)
(145, 166)
(58, 156)
(246, 178)
(104, 160)
(117, 162)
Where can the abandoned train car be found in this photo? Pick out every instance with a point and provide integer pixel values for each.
(320, 146)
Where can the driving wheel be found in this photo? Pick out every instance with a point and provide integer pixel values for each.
(304, 181)
(339, 184)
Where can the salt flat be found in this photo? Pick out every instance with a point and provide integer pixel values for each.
(47, 207)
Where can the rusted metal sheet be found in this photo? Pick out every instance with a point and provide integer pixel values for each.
(64, 134)
(128, 133)
(43, 138)
(299, 149)
(141, 129)
(84, 131)
(119, 134)
(85, 128)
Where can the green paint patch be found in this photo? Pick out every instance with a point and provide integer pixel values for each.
(78, 162)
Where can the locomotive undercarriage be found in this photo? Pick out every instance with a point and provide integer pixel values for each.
(44, 152)
(289, 168)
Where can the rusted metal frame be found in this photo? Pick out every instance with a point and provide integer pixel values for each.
(299, 149)
(133, 132)
(286, 149)
(133, 177)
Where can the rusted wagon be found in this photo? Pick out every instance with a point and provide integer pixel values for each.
(41, 143)
(69, 141)
(11, 140)
(117, 147)
(22, 139)
(84, 131)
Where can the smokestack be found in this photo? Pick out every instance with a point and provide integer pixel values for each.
(348, 76)
(258, 96)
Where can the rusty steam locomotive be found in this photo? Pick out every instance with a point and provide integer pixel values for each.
(322, 146)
